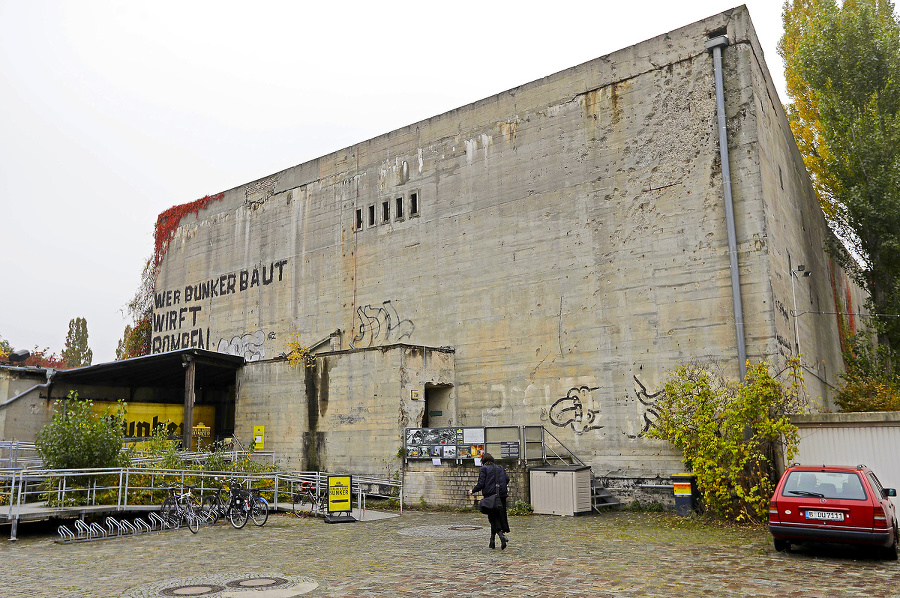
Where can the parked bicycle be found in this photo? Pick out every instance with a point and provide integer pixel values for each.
(308, 501)
(180, 508)
(241, 505)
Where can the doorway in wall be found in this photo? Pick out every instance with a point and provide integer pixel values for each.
(440, 406)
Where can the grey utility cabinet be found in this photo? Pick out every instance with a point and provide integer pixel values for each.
(561, 489)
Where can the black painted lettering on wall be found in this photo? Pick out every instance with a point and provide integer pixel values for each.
(176, 324)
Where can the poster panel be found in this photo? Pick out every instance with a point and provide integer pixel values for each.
(444, 443)
(339, 493)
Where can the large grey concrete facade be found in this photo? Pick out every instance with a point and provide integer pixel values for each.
(566, 239)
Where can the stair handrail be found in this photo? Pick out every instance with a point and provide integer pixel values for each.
(571, 453)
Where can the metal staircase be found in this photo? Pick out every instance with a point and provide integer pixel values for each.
(601, 498)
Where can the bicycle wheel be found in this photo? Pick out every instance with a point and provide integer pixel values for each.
(259, 510)
(192, 514)
(211, 508)
(169, 513)
(297, 508)
(237, 514)
(320, 505)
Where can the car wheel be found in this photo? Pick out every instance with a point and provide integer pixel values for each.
(891, 552)
(782, 545)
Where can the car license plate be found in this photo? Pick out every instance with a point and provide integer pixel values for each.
(825, 515)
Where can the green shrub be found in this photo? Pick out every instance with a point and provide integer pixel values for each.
(730, 433)
(637, 506)
(77, 438)
(521, 507)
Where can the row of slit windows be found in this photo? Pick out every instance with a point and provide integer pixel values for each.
(398, 209)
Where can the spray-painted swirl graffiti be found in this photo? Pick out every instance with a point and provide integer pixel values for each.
(249, 346)
(650, 414)
(379, 325)
(573, 410)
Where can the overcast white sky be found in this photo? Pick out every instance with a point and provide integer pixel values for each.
(113, 111)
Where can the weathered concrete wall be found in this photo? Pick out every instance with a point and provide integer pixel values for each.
(24, 407)
(23, 417)
(567, 238)
(345, 415)
(794, 232)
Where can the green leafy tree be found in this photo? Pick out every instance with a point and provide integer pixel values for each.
(842, 64)
(76, 352)
(78, 438)
(136, 338)
(731, 434)
(871, 381)
(5, 348)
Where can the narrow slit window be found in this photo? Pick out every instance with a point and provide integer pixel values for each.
(359, 220)
(399, 211)
(413, 204)
(385, 211)
(371, 215)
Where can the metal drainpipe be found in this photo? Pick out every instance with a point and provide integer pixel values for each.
(715, 46)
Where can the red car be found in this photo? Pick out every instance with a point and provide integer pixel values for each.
(833, 504)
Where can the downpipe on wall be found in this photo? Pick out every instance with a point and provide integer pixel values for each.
(715, 45)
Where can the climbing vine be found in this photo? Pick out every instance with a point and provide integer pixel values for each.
(167, 223)
(297, 353)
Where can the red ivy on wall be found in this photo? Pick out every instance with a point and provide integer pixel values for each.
(167, 223)
(845, 330)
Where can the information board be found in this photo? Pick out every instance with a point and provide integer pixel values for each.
(444, 443)
(339, 494)
(509, 450)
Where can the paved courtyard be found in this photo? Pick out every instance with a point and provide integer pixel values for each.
(441, 554)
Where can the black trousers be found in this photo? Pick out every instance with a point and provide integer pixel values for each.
(497, 517)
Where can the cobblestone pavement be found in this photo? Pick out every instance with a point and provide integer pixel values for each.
(441, 554)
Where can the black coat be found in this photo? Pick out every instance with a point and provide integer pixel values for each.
(491, 478)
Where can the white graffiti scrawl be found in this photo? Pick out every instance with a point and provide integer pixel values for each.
(251, 346)
(379, 325)
(575, 410)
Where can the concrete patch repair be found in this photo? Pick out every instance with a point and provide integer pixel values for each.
(228, 585)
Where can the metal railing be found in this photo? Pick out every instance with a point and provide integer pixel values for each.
(38, 492)
(18, 455)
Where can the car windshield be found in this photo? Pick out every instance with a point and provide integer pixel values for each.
(824, 484)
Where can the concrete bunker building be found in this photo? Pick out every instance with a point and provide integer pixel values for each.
(542, 256)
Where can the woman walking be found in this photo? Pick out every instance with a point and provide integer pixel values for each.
(493, 481)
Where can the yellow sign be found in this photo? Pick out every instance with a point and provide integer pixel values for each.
(682, 489)
(339, 493)
(142, 418)
(259, 437)
(201, 431)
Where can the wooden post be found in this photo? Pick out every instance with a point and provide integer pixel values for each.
(189, 379)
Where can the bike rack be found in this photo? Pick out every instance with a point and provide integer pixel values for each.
(65, 535)
(115, 528)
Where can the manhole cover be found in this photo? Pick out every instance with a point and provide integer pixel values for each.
(253, 585)
(465, 528)
(192, 590)
(258, 582)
